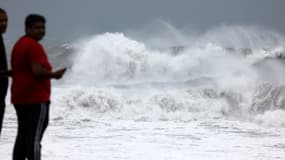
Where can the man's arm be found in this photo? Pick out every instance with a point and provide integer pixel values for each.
(39, 71)
(6, 73)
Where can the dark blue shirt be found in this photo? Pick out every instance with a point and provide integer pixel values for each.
(3, 58)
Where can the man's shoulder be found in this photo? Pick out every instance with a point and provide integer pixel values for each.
(26, 39)
(26, 42)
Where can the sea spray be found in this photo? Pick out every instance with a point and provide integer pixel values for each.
(119, 77)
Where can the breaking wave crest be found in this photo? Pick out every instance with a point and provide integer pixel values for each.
(113, 75)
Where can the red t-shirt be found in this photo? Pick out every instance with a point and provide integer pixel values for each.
(26, 88)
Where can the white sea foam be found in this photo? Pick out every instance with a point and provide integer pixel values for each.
(219, 97)
(134, 78)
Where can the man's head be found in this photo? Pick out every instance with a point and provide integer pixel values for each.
(3, 21)
(35, 26)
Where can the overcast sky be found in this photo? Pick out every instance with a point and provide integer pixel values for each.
(69, 19)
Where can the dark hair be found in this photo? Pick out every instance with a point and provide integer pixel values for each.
(2, 11)
(32, 19)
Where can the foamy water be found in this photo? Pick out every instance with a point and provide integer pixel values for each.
(123, 98)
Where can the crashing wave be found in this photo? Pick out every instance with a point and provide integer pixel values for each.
(268, 97)
(61, 55)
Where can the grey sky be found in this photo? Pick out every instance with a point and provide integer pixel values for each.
(69, 19)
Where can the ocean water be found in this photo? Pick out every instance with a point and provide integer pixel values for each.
(126, 96)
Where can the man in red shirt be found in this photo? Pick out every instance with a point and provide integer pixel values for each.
(31, 89)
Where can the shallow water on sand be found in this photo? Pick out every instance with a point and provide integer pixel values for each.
(91, 139)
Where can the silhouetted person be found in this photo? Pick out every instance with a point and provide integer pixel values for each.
(3, 66)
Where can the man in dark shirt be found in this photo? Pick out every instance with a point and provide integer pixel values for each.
(3, 66)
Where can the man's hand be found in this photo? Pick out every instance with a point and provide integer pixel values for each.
(58, 73)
